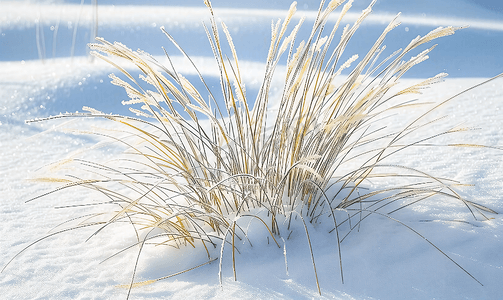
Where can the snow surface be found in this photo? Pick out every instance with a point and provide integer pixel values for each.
(384, 260)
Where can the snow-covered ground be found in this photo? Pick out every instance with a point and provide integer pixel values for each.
(383, 260)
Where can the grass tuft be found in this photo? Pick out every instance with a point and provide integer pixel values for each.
(199, 162)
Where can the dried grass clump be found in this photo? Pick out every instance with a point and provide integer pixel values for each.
(196, 168)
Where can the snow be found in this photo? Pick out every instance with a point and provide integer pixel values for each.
(384, 260)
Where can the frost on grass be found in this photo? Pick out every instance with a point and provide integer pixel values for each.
(199, 162)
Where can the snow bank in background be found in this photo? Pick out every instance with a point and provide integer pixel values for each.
(29, 31)
(19, 15)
